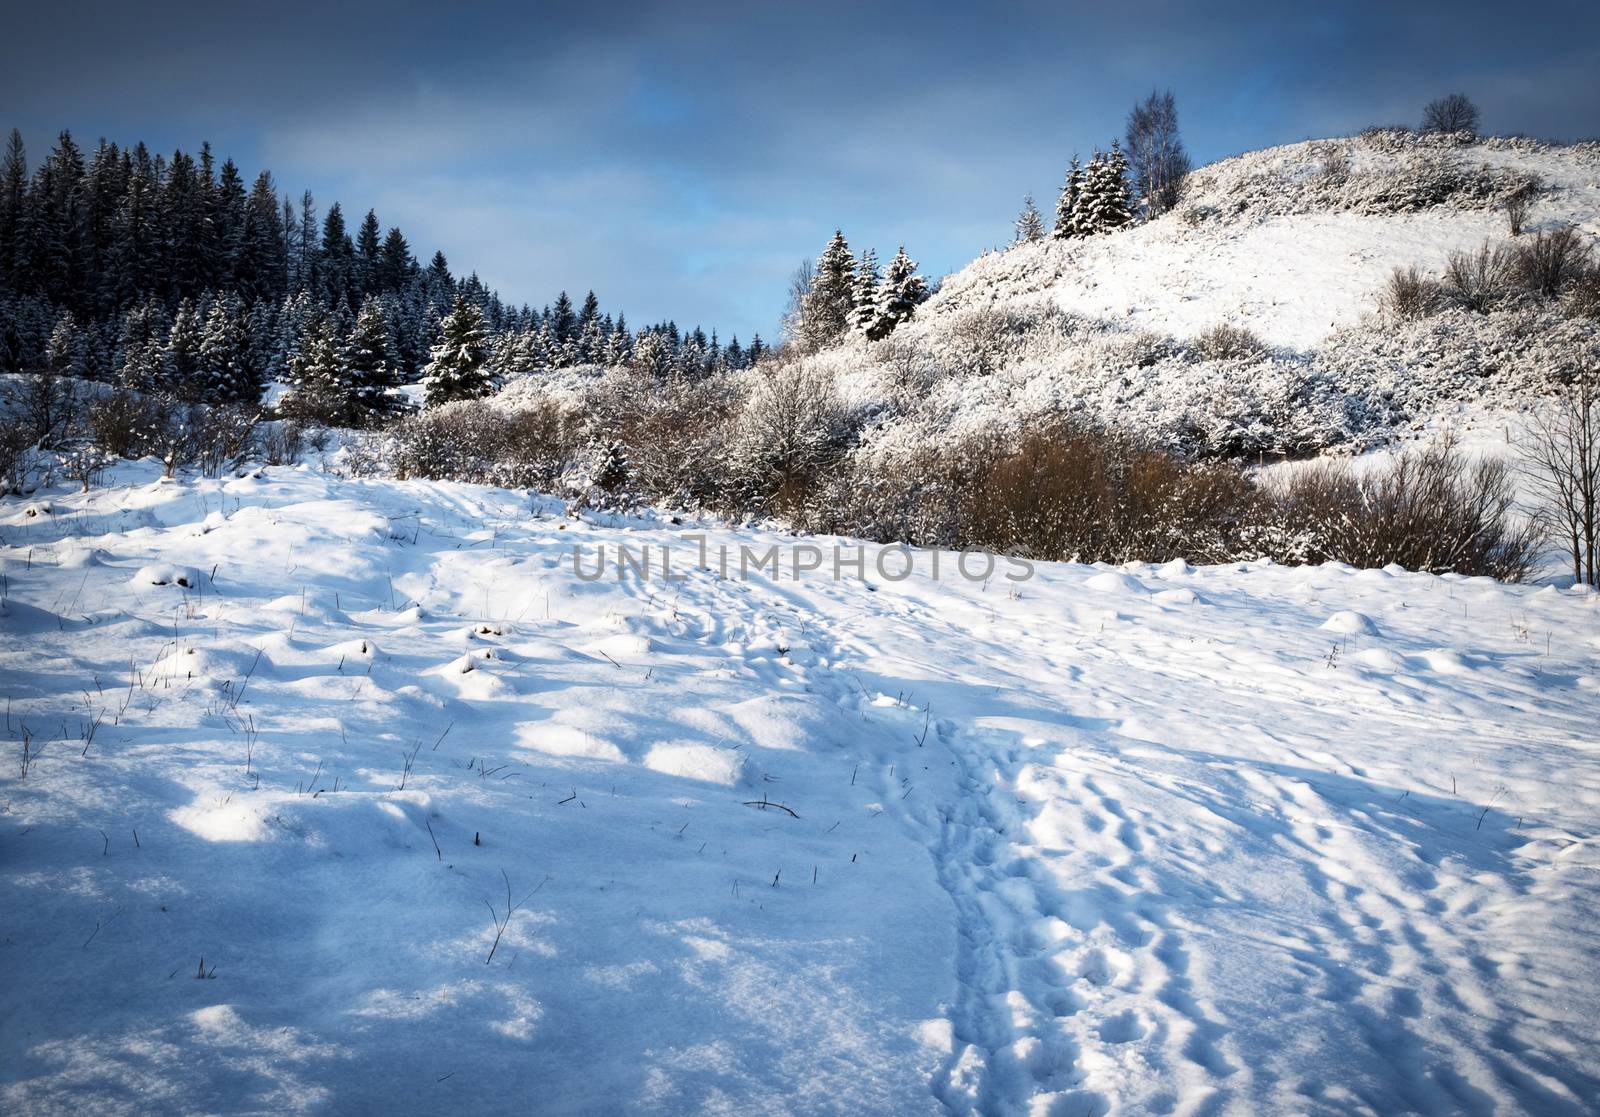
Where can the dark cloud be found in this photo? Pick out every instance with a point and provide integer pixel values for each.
(679, 158)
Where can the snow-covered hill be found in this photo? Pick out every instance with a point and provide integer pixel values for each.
(1293, 244)
(340, 796)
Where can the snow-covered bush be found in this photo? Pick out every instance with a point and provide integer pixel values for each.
(1479, 280)
(791, 427)
(1381, 172)
(1550, 260)
(221, 438)
(16, 448)
(46, 403)
(124, 423)
(470, 440)
(282, 442)
(1225, 342)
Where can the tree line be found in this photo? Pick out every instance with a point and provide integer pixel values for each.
(172, 275)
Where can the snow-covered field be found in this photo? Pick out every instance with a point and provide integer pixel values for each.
(1223, 840)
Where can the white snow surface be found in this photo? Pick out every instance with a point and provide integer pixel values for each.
(1162, 839)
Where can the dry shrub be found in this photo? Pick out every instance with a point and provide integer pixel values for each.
(1224, 342)
(16, 448)
(46, 404)
(1431, 511)
(1089, 496)
(1063, 493)
(124, 423)
(1517, 207)
(1409, 294)
(471, 441)
(220, 438)
(1547, 262)
(1333, 161)
(1479, 280)
(1583, 297)
(283, 442)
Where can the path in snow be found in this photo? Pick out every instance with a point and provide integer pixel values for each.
(1161, 840)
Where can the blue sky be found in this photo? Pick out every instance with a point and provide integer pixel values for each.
(681, 159)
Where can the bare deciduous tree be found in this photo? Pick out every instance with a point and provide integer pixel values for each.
(1155, 152)
(794, 311)
(1563, 468)
(1451, 113)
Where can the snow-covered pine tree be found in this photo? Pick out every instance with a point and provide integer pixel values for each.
(589, 314)
(319, 386)
(1029, 224)
(141, 347)
(226, 362)
(619, 347)
(1118, 205)
(369, 248)
(1106, 202)
(590, 344)
(65, 353)
(182, 357)
(1086, 214)
(261, 337)
(652, 354)
(825, 311)
(564, 321)
(458, 365)
(373, 366)
(864, 297)
(688, 362)
(716, 357)
(903, 290)
(1070, 203)
(546, 349)
(608, 465)
(519, 352)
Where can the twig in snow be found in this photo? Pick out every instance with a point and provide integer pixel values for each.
(763, 803)
(410, 759)
(97, 926)
(502, 922)
(442, 736)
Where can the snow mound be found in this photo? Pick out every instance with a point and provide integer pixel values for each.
(554, 739)
(697, 762)
(166, 574)
(1347, 622)
(225, 821)
(1113, 582)
(1381, 660)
